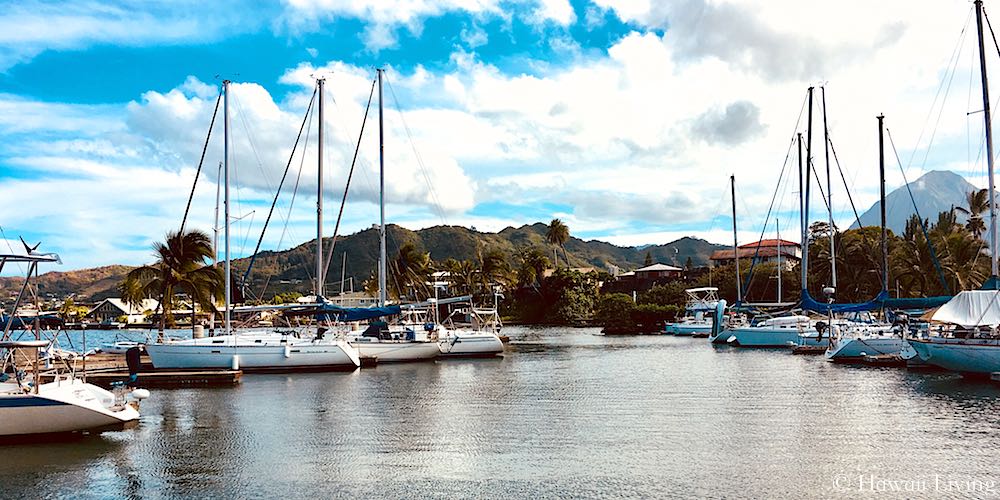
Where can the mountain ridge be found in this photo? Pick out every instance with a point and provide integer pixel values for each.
(291, 269)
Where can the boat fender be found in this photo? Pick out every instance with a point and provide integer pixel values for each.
(235, 362)
(288, 351)
(140, 394)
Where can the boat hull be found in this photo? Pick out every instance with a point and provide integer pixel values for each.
(66, 406)
(769, 337)
(687, 329)
(268, 355)
(396, 351)
(470, 344)
(976, 357)
(848, 350)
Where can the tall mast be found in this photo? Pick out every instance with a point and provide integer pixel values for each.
(319, 197)
(215, 228)
(381, 198)
(777, 230)
(802, 217)
(225, 175)
(881, 176)
(736, 248)
(805, 201)
(343, 273)
(829, 195)
(989, 139)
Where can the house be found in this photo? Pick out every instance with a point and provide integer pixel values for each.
(763, 251)
(643, 279)
(110, 310)
(658, 271)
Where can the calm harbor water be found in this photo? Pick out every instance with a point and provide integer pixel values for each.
(567, 412)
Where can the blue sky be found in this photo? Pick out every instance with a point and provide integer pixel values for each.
(622, 117)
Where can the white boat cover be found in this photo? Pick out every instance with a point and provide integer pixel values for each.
(971, 308)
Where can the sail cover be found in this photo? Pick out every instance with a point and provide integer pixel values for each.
(971, 308)
(810, 304)
(328, 311)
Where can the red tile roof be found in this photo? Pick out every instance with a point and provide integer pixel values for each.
(770, 243)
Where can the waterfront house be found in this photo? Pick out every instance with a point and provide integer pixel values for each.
(763, 251)
(111, 309)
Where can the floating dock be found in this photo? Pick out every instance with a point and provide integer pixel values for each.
(104, 368)
(893, 360)
(809, 350)
(161, 378)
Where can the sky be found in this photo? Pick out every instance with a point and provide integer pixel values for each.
(623, 118)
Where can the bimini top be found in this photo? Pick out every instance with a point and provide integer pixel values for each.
(702, 289)
(31, 257)
(971, 308)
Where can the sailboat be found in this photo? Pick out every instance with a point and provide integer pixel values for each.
(30, 409)
(262, 350)
(966, 339)
(854, 341)
(377, 341)
(771, 332)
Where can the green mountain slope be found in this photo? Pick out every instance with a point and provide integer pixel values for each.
(293, 269)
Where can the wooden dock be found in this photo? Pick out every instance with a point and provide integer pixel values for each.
(809, 350)
(104, 368)
(161, 378)
(892, 360)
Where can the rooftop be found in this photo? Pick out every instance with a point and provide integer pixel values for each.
(658, 267)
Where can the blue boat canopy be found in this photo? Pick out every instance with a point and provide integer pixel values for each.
(916, 302)
(810, 304)
(338, 313)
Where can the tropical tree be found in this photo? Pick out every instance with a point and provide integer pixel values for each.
(978, 202)
(532, 263)
(495, 270)
(410, 272)
(180, 268)
(558, 235)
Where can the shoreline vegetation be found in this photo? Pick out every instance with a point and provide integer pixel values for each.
(536, 283)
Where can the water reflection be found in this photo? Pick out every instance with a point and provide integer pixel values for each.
(565, 412)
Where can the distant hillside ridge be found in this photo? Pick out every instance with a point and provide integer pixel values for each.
(292, 269)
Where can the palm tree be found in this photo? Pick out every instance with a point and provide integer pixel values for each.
(411, 271)
(978, 203)
(558, 234)
(181, 268)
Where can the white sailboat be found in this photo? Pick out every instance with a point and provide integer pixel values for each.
(377, 342)
(863, 337)
(30, 409)
(257, 351)
(966, 339)
(779, 331)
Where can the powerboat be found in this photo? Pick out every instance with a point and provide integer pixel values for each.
(697, 319)
(66, 405)
(30, 409)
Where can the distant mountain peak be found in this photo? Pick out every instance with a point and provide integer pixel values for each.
(935, 191)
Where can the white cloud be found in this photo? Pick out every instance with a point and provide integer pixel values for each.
(635, 145)
(557, 11)
(30, 27)
(384, 18)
